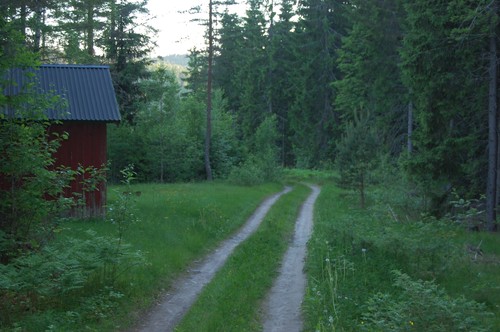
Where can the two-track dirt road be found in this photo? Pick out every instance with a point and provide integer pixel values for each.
(284, 300)
(283, 306)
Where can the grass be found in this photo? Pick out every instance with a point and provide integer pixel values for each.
(294, 175)
(232, 300)
(351, 261)
(178, 223)
(352, 256)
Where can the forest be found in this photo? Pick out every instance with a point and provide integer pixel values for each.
(381, 93)
(352, 85)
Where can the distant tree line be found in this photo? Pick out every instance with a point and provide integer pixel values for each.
(416, 79)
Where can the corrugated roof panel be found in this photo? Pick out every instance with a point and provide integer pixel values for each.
(87, 90)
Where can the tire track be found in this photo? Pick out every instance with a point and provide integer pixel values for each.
(283, 304)
(174, 305)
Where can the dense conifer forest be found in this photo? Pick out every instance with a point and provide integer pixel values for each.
(400, 96)
(363, 87)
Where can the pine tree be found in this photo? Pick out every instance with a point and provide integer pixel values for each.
(211, 46)
(81, 24)
(208, 130)
(32, 19)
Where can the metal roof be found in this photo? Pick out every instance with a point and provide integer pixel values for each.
(87, 90)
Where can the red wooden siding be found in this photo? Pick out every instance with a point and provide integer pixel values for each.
(86, 146)
(90, 104)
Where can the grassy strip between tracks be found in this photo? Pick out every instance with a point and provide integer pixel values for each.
(232, 301)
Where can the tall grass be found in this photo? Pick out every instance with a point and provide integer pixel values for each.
(232, 300)
(180, 223)
(177, 223)
(368, 270)
(294, 175)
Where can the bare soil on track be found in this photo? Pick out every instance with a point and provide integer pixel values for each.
(282, 309)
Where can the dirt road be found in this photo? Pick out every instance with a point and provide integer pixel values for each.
(283, 305)
(167, 314)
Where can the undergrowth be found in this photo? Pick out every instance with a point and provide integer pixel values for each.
(375, 270)
(100, 275)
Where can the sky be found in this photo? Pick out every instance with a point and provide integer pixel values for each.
(176, 35)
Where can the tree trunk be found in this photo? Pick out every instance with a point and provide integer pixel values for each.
(39, 21)
(208, 133)
(90, 29)
(162, 166)
(362, 190)
(491, 189)
(111, 52)
(410, 127)
(23, 18)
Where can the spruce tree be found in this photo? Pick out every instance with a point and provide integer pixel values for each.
(314, 120)
(252, 70)
(444, 62)
(282, 75)
(127, 47)
(369, 62)
(357, 153)
(227, 57)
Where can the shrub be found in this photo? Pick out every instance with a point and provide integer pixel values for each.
(42, 279)
(262, 163)
(247, 174)
(421, 306)
(28, 177)
(356, 157)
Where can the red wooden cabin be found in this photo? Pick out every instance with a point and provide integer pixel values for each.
(90, 104)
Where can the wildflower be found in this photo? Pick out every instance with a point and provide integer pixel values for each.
(411, 323)
(330, 319)
(363, 250)
(327, 260)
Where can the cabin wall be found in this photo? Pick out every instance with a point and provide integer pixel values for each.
(86, 146)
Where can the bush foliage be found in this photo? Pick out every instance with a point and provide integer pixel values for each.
(375, 270)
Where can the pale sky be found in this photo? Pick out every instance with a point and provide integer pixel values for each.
(176, 35)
